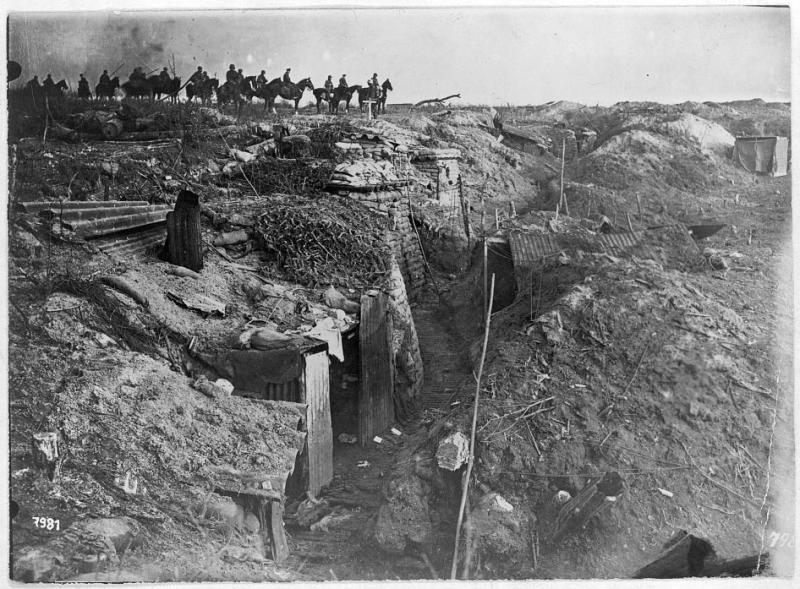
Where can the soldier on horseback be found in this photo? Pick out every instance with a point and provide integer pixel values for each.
(104, 79)
(261, 79)
(137, 74)
(329, 87)
(34, 83)
(343, 82)
(197, 77)
(163, 77)
(231, 75)
(83, 88)
(286, 78)
(48, 83)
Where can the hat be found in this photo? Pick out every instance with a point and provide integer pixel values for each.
(199, 68)
(288, 69)
(376, 75)
(231, 67)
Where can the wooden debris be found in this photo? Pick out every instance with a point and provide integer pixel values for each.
(184, 241)
(590, 501)
(125, 287)
(44, 446)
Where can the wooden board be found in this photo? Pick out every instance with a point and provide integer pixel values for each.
(376, 397)
(315, 393)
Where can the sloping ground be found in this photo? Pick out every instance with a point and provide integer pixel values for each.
(671, 378)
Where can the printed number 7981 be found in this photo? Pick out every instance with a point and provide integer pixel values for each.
(47, 523)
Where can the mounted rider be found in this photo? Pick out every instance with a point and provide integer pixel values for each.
(48, 83)
(232, 75)
(286, 78)
(104, 79)
(197, 76)
(329, 87)
(163, 77)
(261, 80)
(34, 84)
(83, 88)
(137, 74)
(343, 81)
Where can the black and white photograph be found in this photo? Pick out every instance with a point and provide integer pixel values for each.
(403, 292)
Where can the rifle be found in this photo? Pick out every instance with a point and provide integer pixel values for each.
(116, 70)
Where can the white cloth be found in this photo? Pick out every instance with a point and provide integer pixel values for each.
(326, 330)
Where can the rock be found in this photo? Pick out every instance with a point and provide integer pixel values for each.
(34, 565)
(453, 451)
(225, 386)
(122, 532)
(346, 438)
(501, 505)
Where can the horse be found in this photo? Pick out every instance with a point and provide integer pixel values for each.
(345, 94)
(385, 88)
(56, 90)
(380, 99)
(248, 88)
(321, 94)
(203, 90)
(230, 92)
(276, 88)
(170, 87)
(138, 88)
(106, 90)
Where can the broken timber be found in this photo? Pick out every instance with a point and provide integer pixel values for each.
(44, 446)
(184, 241)
(685, 555)
(267, 505)
(590, 501)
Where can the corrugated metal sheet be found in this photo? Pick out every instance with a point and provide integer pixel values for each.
(529, 248)
(376, 398)
(282, 391)
(315, 393)
(41, 205)
(88, 228)
(133, 243)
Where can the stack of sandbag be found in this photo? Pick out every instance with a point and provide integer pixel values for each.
(364, 174)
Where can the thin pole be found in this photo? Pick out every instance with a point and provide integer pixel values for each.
(563, 154)
(485, 273)
(470, 462)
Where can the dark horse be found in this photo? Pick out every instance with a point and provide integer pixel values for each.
(230, 92)
(106, 90)
(203, 90)
(345, 94)
(57, 90)
(321, 94)
(380, 99)
(169, 87)
(276, 88)
(138, 88)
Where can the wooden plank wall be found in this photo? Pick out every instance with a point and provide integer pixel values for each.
(315, 393)
(376, 398)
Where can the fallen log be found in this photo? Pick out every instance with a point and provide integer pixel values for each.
(125, 287)
(183, 272)
(428, 101)
(231, 237)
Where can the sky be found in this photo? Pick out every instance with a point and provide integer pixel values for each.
(493, 55)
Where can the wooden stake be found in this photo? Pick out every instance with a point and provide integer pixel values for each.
(483, 214)
(485, 274)
(471, 461)
(496, 219)
(630, 225)
(563, 158)
(639, 206)
(44, 446)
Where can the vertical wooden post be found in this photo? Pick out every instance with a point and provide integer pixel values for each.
(630, 225)
(184, 240)
(563, 158)
(483, 214)
(485, 274)
(639, 205)
(496, 219)
(44, 446)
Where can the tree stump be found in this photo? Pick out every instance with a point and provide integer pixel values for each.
(184, 241)
(45, 453)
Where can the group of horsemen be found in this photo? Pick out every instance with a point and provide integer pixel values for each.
(200, 79)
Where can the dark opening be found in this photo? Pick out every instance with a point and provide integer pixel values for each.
(500, 263)
(345, 384)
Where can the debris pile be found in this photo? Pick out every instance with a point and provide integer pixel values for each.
(338, 243)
